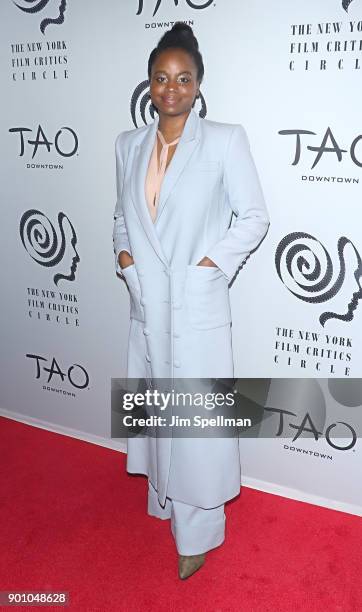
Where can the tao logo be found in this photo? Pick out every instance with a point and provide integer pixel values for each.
(308, 425)
(324, 147)
(76, 374)
(42, 141)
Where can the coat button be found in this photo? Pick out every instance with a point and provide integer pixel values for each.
(146, 331)
(176, 305)
(148, 358)
(166, 271)
(176, 363)
(143, 301)
(175, 335)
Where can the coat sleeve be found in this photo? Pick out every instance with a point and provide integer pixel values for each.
(247, 202)
(120, 236)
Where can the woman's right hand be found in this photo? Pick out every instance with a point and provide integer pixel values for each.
(125, 259)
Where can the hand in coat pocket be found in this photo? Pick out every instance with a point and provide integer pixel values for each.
(207, 297)
(207, 262)
(134, 288)
(125, 259)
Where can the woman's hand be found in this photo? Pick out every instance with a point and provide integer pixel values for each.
(205, 261)
(125, 259)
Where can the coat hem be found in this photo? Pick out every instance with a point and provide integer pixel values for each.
(214, 505)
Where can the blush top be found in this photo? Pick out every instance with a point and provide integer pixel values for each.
(156, 173)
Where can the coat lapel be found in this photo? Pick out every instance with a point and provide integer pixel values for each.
(185, 147)
(141, 159)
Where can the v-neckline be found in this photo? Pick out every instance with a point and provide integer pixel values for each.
(161, 139)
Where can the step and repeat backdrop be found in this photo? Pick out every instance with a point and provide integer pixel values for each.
(74, 75)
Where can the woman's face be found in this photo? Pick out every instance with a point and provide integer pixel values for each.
(173, 84)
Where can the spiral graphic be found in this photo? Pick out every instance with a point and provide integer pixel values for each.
(33, 9)
(303, 264)
(345, 4)
(39, 5)
(44, 244)
(142, 109)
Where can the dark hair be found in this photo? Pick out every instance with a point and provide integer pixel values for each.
(180, 36)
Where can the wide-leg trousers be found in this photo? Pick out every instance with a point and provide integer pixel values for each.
(195, 530)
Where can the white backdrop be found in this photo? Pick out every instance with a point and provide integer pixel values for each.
(73, 75)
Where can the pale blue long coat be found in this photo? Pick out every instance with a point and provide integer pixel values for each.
(180, 312)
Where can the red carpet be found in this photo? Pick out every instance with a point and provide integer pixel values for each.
(73, 520)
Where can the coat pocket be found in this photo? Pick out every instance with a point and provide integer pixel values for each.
(134, 289)
(207, 297)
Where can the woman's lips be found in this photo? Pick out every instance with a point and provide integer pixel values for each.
(169, 100)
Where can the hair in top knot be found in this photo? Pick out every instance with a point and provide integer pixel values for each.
(180, 36)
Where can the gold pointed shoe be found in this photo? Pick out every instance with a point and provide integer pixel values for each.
(188, 565)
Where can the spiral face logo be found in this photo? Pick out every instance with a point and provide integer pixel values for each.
(50, 246)
(345, 4)
(143, 111)
(39, 5)
(190, 3)
(305, 267)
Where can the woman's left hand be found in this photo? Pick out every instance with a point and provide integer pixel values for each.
(205, 261)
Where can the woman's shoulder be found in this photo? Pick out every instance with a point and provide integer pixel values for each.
(221, 125)
(222, 130)
(127, 137)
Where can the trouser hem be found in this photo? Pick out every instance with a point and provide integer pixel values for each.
(200, 539)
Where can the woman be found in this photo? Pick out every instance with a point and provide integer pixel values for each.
(178, 182)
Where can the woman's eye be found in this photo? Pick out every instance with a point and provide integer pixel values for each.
(183, 80)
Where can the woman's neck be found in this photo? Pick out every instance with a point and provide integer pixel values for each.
(171, 126)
